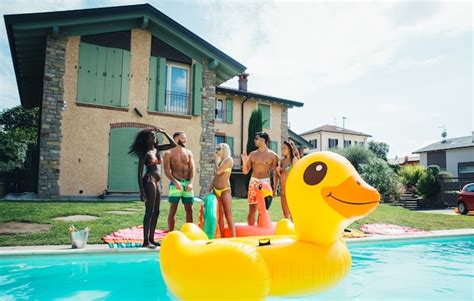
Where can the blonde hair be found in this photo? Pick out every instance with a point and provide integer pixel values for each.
(226, 149)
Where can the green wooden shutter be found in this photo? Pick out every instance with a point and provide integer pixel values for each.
(125, 78)
(161, 84)
(123, 168)
(152, 80)
(274, 146)
(87, 73)
(197, 86)
(230, 141)
(101, 73)
(109, 76)
(265, 115)
(117, 77)
(229, 110)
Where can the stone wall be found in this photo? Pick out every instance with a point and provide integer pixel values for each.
(206, 163)
(52, 105)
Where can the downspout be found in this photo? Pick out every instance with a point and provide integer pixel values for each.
(242, 124)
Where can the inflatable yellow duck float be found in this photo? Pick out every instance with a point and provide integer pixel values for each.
(325, 194)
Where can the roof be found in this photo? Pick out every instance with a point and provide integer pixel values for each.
(298, 139)
(334, 129)
(290, 103)
(451, 143)
(405, 159)
(27, 38)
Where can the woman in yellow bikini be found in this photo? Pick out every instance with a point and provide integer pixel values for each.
(290, 156)
(221, 187)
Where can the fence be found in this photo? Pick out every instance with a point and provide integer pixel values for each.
(449, 188)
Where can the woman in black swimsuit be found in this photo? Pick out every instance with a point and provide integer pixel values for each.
(145, 148)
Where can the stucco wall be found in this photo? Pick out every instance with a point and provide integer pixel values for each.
(455, 156)
(85, 142)
(323, 139)
(234, 129)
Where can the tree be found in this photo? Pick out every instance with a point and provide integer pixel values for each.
(255, 126)
(18, 137)
(380, 149)
(356, 154)
(378, 174)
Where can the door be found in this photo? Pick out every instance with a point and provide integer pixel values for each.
(123, 168)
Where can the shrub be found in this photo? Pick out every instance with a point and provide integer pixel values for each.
(356, 154)
(428, 185)
(409, 176)
(378, 174)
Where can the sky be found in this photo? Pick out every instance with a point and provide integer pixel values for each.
(401, 71)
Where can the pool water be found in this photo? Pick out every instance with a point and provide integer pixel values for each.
(434, 269)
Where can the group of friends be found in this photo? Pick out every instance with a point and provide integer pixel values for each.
(179, 168)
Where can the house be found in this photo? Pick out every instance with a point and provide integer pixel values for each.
(329, 136)
(101, 75)
(454, 155)
(299, 142)
(413, 160)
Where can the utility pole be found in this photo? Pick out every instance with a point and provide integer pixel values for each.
(343, 132)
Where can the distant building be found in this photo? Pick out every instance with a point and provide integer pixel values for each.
(330, 136)
(412, 160)
(454, 155)
(299, 142)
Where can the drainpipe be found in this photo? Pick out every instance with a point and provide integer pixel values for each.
(321, 141)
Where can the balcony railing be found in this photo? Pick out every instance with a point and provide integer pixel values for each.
(177, 103)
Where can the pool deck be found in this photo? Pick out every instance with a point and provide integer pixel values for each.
(103, 248)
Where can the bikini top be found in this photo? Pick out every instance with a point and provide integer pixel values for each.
(154, 162)
(228, 169)
(287, 166)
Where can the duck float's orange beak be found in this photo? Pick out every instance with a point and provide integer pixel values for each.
(352, 198)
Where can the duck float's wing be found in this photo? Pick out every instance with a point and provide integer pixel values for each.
(285, 227)
(212, 269)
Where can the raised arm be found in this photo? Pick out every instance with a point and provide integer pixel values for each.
(246, 163)
(228, 163)
(164, 147)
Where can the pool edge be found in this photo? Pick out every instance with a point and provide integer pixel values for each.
(103, 248)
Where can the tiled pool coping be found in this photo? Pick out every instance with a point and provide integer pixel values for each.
(103, 248)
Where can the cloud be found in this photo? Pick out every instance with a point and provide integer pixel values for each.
(412, 63)
(290, 45)
(391, 108)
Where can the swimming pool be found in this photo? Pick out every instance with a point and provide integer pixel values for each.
(425, 269)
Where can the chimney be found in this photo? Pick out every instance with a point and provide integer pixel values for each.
(243, 81)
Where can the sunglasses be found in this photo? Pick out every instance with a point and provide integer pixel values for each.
(218, 149)
(257, 137)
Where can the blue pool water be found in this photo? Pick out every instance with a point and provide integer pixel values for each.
(435, 269)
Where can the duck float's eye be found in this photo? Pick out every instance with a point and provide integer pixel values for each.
(260, 186)
(315, 173)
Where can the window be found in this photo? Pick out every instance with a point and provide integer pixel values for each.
(347, 143)
(274, 146)
(355, 142)
(220, 138)
(219, 110)
(314, 143)
(177, 88)
(333, 143)
(266, 114)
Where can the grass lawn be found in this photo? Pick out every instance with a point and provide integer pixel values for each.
(44, 212)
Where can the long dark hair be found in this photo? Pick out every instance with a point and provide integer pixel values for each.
(140, 145)
(293, 151)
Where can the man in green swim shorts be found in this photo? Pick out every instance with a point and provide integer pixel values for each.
(179, 169)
